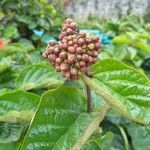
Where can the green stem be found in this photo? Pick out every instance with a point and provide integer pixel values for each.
(89, 99)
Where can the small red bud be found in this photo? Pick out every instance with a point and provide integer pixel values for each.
(73, 71)
(65, 46)
(71, 58)
(58, 68)
(79, 50)
(85, 57)
(82, 34)
(64, 67)
(84, 69)
(63, 55)
(72, 25)
(70, 43)
(91, 46)
(71, 49)
(82, 64)
(79, 57)
(80, 41)
(97, 45)
(58, 60)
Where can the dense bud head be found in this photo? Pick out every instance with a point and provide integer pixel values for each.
(75, 52)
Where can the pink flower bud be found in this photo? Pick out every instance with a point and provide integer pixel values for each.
(71, 49)
(58, 60)
(64, 67)
(84, 69)
(82, 64)
(97, 45)
(79, 50)
(79, 57)
(73, 71)
(91, 46)
(71, 58)
(80, 41)
(58, 68)
(65, 46)
(72, 25)
(82, 34)
(85, 57)
(70, 43)
(63, 55)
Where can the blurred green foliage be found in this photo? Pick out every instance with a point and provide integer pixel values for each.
(20, 17)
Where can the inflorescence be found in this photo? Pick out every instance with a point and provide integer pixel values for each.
(75, 52)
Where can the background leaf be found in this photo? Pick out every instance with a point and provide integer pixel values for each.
(140, 136)
(13, 120)
(38, 76)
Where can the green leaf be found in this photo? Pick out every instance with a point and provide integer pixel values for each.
(61, 121)
(99, 142)
(140, 136)
(17, 116)
(38, 76)
(5, 63)
(143, 46)
(122, 39)
(19, 101)
(10, 31)
(16, 111)
(126, 89)
(11, 135)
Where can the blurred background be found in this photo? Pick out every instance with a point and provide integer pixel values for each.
(26, 27)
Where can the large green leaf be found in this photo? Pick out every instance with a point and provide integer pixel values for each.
(126, 89)
(16, 111)
(61, 121)
(38, 76)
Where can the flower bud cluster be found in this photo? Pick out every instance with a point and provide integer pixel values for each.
(75, 52)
